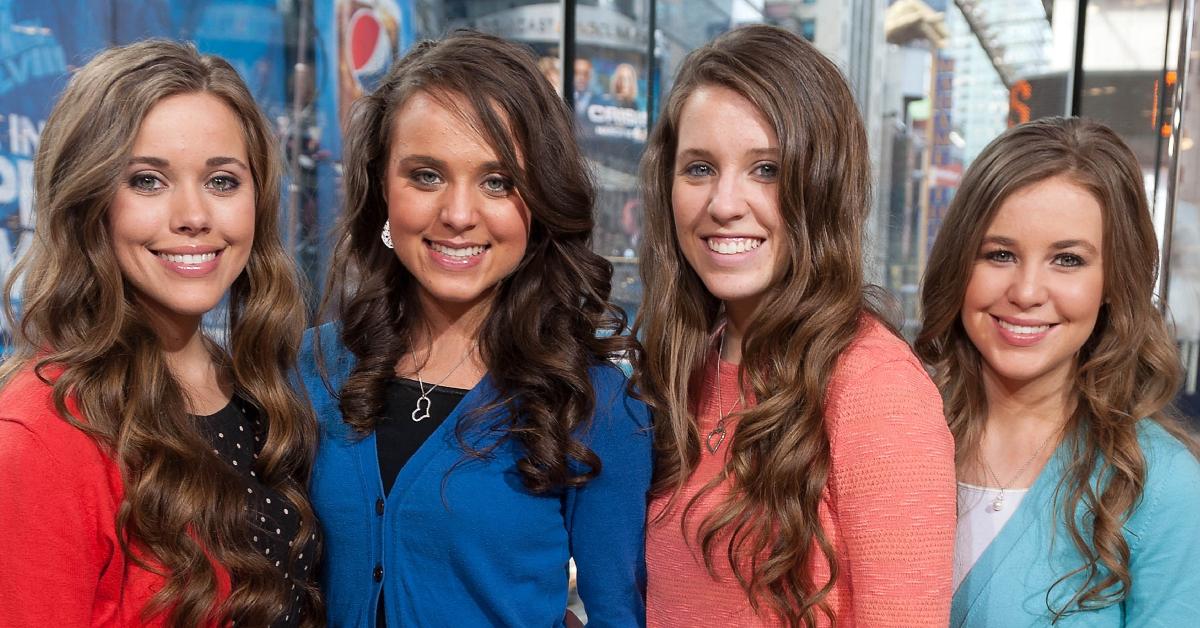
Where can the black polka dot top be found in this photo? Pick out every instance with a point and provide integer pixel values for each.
(237, 437)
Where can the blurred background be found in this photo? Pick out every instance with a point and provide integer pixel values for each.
(935, 80)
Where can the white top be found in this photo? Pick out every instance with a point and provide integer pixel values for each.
(979, 521)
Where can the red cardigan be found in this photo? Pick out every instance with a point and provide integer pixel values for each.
(61, 563)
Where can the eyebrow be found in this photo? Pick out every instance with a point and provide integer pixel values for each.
(700, 153)
(212, 162)
(216, 162)
(409, 161)
(1058, 245)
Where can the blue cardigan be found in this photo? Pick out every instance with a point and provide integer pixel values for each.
(459, 541)
(1008, 585)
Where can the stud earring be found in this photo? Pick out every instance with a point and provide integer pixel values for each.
(386, 236)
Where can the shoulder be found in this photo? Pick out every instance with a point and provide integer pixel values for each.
(617, 413)
(878, 371)
(324, 362)
(35, 438)
(1172, 476)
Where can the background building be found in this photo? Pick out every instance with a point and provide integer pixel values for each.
(935, 80)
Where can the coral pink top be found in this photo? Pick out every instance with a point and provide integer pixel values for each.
(888, 508)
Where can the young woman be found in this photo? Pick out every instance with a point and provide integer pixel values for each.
(1079, 500)
(804, 472)
(475, 434)
(149, 475)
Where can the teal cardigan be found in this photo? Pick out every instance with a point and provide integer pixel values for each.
(459, 541)
(1008, 585)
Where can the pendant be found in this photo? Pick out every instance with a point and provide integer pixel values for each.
(421, 412)
(718, 433)
(998, 503)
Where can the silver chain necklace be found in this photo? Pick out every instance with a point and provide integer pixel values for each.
(421, 412)
(718, 432)
(998, 503)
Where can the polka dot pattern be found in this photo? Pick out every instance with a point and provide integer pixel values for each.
(237, 438)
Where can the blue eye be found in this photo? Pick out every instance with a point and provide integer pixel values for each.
(1000, 256)
(698, 170)
(767, 170)
(498, 185)
(1069, 260)
(426, 178)
(145, 182)
(224, 183)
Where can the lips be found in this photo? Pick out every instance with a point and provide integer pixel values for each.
(1022, 333)
(732, 246)
(190, 262)
(455, 256)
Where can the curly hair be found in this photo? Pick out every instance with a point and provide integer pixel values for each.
(1127, 370)
(550, 319)
(779, 458)
(181, 503)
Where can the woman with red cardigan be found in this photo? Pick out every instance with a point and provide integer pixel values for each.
(150, 476)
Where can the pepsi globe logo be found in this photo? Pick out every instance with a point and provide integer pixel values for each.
(370, 45)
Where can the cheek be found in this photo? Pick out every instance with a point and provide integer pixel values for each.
(1081, 299)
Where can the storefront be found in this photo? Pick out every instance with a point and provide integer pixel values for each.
(936, 80)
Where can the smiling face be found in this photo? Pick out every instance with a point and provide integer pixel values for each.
(457, 223)
(1037, 285)
(725, 196)
(182, 220)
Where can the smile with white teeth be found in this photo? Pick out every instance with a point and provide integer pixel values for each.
(462, 252)
(189, 258)
(732, 246)
(1023, 330)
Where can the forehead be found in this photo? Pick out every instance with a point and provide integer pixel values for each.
(723, 117)
(443, 124)
(194, 122)
(1051, 210)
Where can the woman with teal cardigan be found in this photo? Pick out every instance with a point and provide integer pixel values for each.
(1079, 496)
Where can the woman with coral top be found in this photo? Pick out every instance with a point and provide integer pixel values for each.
(149, 475)
(805, 473)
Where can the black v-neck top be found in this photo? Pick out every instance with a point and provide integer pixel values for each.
(237, 436)
(397, 435)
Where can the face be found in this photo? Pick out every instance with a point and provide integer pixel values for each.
(583, 74)
(725, 196)
(1037, 284)
(182, 220)
(457, 223)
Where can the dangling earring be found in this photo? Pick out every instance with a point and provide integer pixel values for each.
(386, 236)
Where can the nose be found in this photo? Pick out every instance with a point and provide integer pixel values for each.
(1028, 287)
(459, 212)
(190, 214)
(727, 202)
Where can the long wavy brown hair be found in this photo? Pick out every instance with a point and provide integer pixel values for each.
(182, 504)
(1127, 370)
(779, 457)
(550, 320)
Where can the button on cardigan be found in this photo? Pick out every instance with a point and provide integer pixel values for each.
(459, 541)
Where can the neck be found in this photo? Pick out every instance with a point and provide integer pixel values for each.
(1043, 401)
(737, 316)
(441, 341)
(190, 362)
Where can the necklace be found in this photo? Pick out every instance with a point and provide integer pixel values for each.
(421, 412)
(717, 435)
(998, 503)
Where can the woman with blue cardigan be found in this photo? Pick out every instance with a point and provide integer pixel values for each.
(475, 433)
(1079, 498)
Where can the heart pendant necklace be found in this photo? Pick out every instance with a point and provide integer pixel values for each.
(717, 436)
(421, 412)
